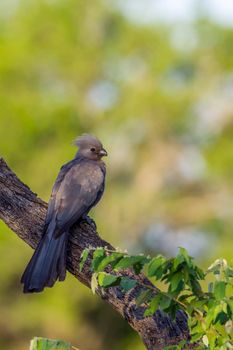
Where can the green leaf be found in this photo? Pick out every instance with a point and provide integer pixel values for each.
(136, 262)
(183, 252)
(210, 316)
(230, 304)
(177, 261)
(196, 328)
(165, 301)
(182, 257)
(94, 282)
(84, 257)
(112, 259)
(219, 290)
(195, 337)
(144, 297)
(217, 310)
(229, 272)
(176, 282)
(138, 266)
(153, 305)
(181, 344)
(107, 280)
(183, 297)
(155, 265)
(196, 287)
(222, 318)
(127, 283)
(98, 256)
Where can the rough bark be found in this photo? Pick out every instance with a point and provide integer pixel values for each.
(24, 213)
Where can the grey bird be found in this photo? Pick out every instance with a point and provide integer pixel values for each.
(78, 187)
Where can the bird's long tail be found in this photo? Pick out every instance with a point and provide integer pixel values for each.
(47, 264)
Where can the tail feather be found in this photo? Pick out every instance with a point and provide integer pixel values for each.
(58, 265)
(48, 263)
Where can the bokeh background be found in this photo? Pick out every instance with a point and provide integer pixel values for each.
(154, 80)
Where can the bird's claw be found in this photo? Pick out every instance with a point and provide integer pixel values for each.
(90, 221)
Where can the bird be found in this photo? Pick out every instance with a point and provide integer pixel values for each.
(79, 187)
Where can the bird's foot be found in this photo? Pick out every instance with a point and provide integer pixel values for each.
(90, 221)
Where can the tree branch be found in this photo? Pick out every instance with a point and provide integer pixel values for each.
(24, 213)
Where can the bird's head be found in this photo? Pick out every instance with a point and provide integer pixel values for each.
(90, 147)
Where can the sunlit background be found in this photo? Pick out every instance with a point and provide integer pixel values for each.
(154, 80)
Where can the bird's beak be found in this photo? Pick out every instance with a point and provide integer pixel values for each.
(103, 152)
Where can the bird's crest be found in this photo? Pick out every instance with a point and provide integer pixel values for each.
(87, 140)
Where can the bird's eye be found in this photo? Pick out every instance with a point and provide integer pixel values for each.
(92, 149)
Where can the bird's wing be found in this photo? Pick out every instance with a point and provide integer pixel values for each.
(50, 211)
(79, 190)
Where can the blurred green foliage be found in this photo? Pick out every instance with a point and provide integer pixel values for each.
(160, 98)
(47, 344)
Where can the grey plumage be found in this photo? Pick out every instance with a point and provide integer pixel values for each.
(78, 187)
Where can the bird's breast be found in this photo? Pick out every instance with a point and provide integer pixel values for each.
(88, 175)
